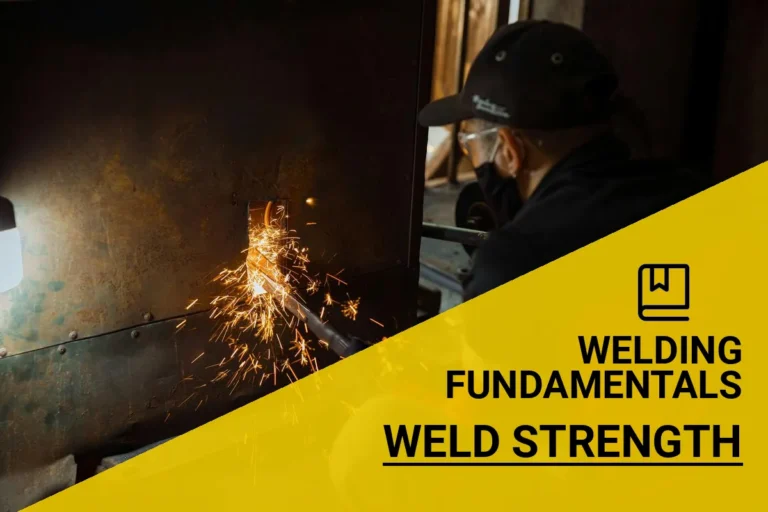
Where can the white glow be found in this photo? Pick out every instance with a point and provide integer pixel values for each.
(11, 269)
(258, 289)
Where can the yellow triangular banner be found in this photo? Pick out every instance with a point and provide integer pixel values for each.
(322, 443)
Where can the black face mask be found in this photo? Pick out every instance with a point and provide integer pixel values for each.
(501, 194)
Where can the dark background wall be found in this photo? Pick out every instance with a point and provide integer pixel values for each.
(133, 136)
(651, 45)
(742, 128)
(697, 68)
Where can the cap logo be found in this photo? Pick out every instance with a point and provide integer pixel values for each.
(487, 106)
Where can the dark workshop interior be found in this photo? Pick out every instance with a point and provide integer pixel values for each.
(140, 140)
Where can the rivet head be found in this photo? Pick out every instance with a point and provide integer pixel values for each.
(501, 56)
(148, 317)
(134, 334)
(556, 58)
(3, 352)
(62, 349)
(73, 335)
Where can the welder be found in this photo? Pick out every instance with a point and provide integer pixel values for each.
(540, 119)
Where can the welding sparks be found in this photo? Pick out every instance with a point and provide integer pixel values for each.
(336, 278)
(251, 311)
(350, 308)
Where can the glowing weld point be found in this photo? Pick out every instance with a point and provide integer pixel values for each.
(258, 289)
(251, 309)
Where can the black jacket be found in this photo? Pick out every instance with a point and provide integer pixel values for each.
(593, 192)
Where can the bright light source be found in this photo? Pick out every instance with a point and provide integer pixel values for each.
(11, 269)
(311, 201)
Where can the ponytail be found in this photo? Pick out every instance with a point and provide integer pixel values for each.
(630, 125)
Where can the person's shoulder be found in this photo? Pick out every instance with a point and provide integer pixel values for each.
(503, 257)
(678, 178)
(669, 168)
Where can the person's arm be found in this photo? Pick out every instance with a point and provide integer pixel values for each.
(505, 256)
(500, 194)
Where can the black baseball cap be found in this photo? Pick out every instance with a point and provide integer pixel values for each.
(532, 74)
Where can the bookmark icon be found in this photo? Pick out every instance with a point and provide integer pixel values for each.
(663, 292)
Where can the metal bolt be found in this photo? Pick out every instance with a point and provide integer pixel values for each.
(62, 349)
(3, 352)
(134, 334)
(73, 335)
(148, 317)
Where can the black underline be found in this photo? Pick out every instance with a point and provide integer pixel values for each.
(565, 464)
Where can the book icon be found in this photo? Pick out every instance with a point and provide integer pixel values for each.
(663, 292)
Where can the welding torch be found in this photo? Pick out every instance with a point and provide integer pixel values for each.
(341, 345)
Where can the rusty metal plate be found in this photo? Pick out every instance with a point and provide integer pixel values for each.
(115, 393)
(112, 393)
(135, 137)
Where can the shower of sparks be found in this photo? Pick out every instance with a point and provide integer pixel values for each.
(350, 308)
(251, 315)
(335, 278)
(376, 322)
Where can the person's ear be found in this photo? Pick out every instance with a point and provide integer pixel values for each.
(510, 158)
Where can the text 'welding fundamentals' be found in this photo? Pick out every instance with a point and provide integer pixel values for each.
(682, 369)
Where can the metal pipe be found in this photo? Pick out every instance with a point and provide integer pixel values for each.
(463, 236)
(341, 345)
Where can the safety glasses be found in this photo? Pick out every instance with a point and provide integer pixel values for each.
(477, 150)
